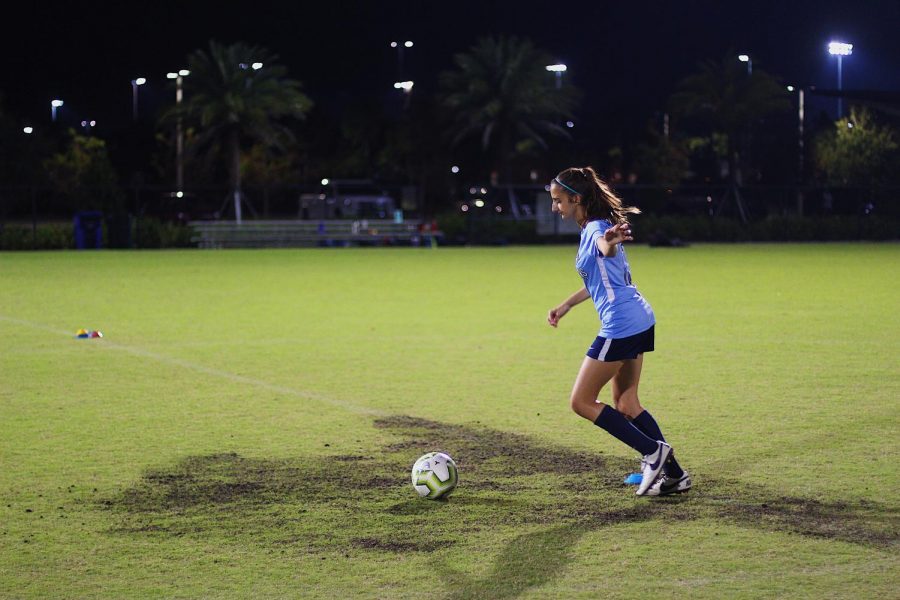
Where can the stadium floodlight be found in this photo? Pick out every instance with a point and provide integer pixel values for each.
(134, 95)
(399, 46)
(54, 104)
(558, 69)
(840, 49)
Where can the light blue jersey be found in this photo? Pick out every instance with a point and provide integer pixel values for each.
(623, 311)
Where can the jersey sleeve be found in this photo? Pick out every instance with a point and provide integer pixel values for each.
(597, 235)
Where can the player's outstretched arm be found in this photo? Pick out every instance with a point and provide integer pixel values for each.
(555, 314)
(612, 237)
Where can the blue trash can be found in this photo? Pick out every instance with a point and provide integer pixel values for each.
(89, 229)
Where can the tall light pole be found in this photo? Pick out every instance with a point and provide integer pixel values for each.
(400, 46)
(54, 104)
(134, 95)
(558, 69)
(745, 58)
(179, 133)
(800, 144)
(840, 49)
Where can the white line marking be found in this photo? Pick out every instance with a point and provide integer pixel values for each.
(217, 373)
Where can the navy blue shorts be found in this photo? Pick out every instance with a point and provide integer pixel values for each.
(610, 350)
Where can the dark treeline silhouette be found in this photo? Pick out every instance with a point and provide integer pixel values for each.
(251, 140)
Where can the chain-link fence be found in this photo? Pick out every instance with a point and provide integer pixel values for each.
(155, 216)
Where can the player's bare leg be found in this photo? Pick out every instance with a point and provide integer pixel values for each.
(592, 376)
(625, 387)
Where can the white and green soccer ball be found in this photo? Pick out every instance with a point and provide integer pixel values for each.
(434, 475)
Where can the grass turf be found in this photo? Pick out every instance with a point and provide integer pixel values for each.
(247, 425)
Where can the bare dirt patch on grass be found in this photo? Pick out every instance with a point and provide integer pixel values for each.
(506, 479)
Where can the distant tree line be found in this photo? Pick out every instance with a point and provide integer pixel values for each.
(496, 114)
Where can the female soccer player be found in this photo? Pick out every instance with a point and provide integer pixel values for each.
(626, 331)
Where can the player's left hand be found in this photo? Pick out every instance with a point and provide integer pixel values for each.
(618, 234)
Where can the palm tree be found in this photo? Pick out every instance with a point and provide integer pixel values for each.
(234, 103)
(502, 93)
(728, 101)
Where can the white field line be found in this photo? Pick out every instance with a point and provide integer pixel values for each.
(215, 373)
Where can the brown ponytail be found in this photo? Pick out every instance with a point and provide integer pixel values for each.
(598, 199)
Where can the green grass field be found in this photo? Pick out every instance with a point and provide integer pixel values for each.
(246, 426)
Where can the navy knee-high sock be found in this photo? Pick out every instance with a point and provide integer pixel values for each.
(621, 428)
(647, 424)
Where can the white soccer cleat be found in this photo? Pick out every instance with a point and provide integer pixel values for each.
(652, 466)
(665, 485)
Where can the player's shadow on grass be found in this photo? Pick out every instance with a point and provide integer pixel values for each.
(530, 560)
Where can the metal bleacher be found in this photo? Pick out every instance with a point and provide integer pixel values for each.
(297, 233)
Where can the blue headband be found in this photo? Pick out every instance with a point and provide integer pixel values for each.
(567, 187)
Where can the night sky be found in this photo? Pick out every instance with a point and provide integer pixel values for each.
(626, 56)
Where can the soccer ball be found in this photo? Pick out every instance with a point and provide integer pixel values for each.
(434, 475)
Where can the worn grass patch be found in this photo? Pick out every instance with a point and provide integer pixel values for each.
(506, 480)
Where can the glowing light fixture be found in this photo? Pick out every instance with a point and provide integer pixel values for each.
(840, 48)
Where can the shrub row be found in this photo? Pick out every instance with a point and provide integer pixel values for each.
(672, 230)
(142, 233)
(47, 236)
(457, 229)
(781, 229)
